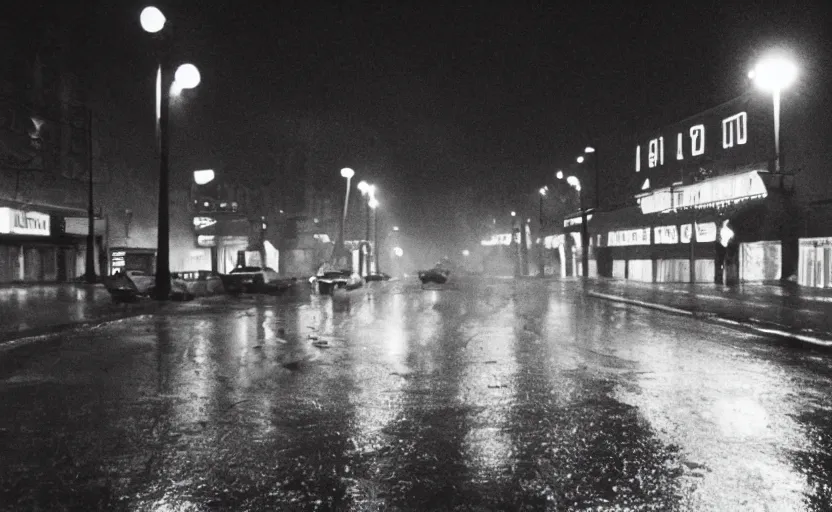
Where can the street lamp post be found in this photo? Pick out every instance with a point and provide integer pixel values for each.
(373, 204)
(364, 261)
(541, 269)
(347, 173)
(186, 77)
(576, 184)
(774, 74)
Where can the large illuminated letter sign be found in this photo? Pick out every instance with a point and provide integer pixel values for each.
(735, 130)
(655, 152)
(697, 140)
(679, 154)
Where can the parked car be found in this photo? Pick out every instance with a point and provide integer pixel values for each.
(202, 282)
(331, 281)
(257, 279)
(133, 284)
(380, 276)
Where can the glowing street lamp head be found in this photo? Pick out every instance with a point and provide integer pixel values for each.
(348, 173)
(574, 182)
(204, 176)
(559, 175)
(152, 19)
(513, 214)
(589, 149)
(395, 228)
(542, 191)
(466, 252)
(398, 252)
(186, 77)
(373, 203)
(363, 186)
(580, 159)
(774, 73)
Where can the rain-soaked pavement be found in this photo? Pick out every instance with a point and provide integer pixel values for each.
(482, 396)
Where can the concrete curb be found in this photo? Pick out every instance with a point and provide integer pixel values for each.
(749, 325)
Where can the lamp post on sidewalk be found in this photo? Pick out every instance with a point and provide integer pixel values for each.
(541, 269)
(347, 174)
(774, 74)
(186, 77)
(373, 204)
(367, 190)
(576, 184)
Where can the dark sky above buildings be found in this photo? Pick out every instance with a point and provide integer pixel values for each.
(430, 98)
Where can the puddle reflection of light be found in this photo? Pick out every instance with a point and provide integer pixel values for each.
(195, 378)
(733, 415)
(486, 391)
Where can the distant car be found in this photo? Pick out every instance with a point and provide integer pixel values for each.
(256, 279)
(133, 284)
(435, 275)
(381, 276)
(331, 281)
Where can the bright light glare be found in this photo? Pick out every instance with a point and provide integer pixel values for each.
(204, 176)
(542, 191)
(466, 252)
(580, 159)
(398, 252)
(373, 203)
(774, 73)
(559, 175)
(513, 214)
(574, 182)
(395, 228)
(589, 149)
(186, 77)
(362, 186)
(152, 19)
(725, 234)
(348, 173)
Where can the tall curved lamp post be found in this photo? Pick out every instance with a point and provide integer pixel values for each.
(773, 74)
(186, 77)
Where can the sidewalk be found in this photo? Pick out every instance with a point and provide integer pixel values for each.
(31, 310)
(790, 311)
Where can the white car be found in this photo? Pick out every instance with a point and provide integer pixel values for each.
(143, 281)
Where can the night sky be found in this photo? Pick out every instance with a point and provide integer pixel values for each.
(429, 100)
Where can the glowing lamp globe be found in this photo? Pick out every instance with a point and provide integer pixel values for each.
(373, 203)
(348, 173)
(204, 176)
(774, 73)
(575, 182)
(543, 191)
(152, 19)
(580, 159)
(559, 175)
(363, 186)
(589, 149)
(186, 77)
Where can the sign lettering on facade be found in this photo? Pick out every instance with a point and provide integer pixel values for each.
(503, 239)
(624, 237)
(206, 240)
(734, 133)
(21, 222)
(721, 190)
(666, 235)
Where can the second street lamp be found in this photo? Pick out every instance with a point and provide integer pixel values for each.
(774, 74)
(576, 184)
(541, 269)
(153, 21)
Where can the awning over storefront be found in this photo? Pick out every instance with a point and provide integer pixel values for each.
(712, 193)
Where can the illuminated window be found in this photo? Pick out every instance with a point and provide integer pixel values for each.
(638, 158)
(735, 130)
(697, 140)
(679, 144)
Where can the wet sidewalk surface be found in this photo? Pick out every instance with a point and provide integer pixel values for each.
(486, 396)
(32, 310)
(791, 308)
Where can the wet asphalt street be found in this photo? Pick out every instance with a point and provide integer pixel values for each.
(482, 396)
